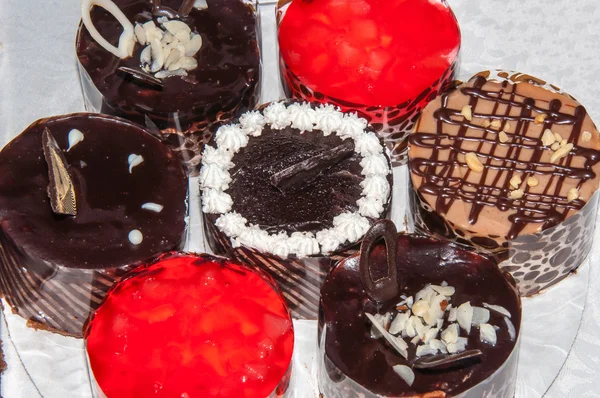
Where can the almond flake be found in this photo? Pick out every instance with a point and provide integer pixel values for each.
(516, 194)
(451, 333)
(558, 137)
(397, 325)
(496, 123)
(193, 46)
(539, 119)
(586, 136)
(424, 294)
(502, 137)
(140, 34)
(532, 181)
(507, 127)
(480, 315)
(486, 123)
(424, 350)
(452, 314)
(438, 345)
(561, 153)
(464, 316)
(420, 308)
(515, 181)
(548, 138)
(497, 308)
(511, 329)
(430, 334)
(467, 112)
(405, 373)
(409, 327)
(416, 340)
(487, 334)
(473, 162)
(555, 146)
(177, 26)
(563, 143)
(459, 346)
(573, 194)
(447, 291)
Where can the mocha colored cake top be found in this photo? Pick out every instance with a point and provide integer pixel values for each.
(500, 159)
(130, 194)
(296, 179)
(438, 279)
(228, 61)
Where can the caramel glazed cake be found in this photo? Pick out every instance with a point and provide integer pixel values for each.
(292, 190)
(509, 166)
(126, 202)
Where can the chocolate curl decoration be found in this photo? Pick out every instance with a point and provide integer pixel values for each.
(60, 188)
(303, 173)
(388, 287)
(158, 10)
(141, 76)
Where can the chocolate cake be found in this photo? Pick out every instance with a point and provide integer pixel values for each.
(509, 164)
(289, 188)
(405, 333)
(126, 202)
(219, 81)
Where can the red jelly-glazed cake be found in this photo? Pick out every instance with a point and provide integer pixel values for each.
(191, 326)
(385, 60)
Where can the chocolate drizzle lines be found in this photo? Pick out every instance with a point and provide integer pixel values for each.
(548, 207)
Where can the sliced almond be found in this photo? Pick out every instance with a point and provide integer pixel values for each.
(186, 63)
(173, 57)
(447, 291)
(424, 350)
(420, 308)
(532, 181)
(451, 333)
(563, 143)
(464, 316)
(467, 112)
(507, 127)
(539, 119)
(561, 153)
(459, 346)
(140, 34)
(397, 325)
(515, 181)
(502, 137)
(193, 46)
(497, 308)
(496, 123)
(480, 315)
(438, 345)
(452, 314)
(430, 334)
(473, 162)
(512, 332)
(183, 37)
(158, 58)
(487, 334)
(405, 373)
(516, 194)
(146, 56)
(486, 123)
(586, 136)
(555, 146)
(175, 27)
(558, 137)
(548, 138)
(168, 38)
(573, 194)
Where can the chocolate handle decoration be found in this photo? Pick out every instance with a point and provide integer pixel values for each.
(387, 287)
(60, 187)
(127, 38)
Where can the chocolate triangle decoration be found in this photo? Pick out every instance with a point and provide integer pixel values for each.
(60, 188)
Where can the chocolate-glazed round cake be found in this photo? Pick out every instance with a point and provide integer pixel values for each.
(291, 189)
(83, 198)
(440, 321)
(197, 66)
(509, 164)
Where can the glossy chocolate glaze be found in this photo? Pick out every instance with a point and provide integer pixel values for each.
(547, 208)
(351, 351)
(226, 76)
(54, 268)
(308, 208)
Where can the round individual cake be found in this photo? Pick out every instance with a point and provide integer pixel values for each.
(509, 164)
(291, 188)
(191, 326)
(444, 323)
(83, 198)
(187, 66)
(384, 60)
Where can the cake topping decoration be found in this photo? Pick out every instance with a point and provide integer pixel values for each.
(127, 38)
(60, 187)
(141, 76)
(473, 162)
(155, 207)
(135, 237)
(163, 11)
(75, 137)
(304, 172)
(134, 160)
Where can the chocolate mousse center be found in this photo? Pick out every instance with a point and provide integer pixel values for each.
(369, 361)
(309, 208)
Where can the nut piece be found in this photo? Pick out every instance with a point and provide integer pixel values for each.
(561, 153)
(516, 194)
(555, 146)
(502, 137)
(515, 181)
(467, 112)
(496, 123)
(486, 123)
(573, 194)
(473, 162)
(532, 181)
(539, 119)
(548, 138)
(586, 136)
(563, 143)
(558, 137)
(507, 126)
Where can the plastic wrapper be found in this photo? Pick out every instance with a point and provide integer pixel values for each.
(536, 260)
(195, 102)
(392, 123)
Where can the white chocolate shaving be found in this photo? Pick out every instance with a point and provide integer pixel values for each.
(155, 207)
(134, 160)
(75, 137)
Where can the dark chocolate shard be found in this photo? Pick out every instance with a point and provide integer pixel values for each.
(306, 171)
(141, 76)
(158, 10)
(445, 360)
(186, 7)
(60, 188)
(387, 287)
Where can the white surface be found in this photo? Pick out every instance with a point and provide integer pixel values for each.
(555, 40)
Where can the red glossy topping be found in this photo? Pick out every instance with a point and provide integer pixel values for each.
(370, 52)
(191, 326)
